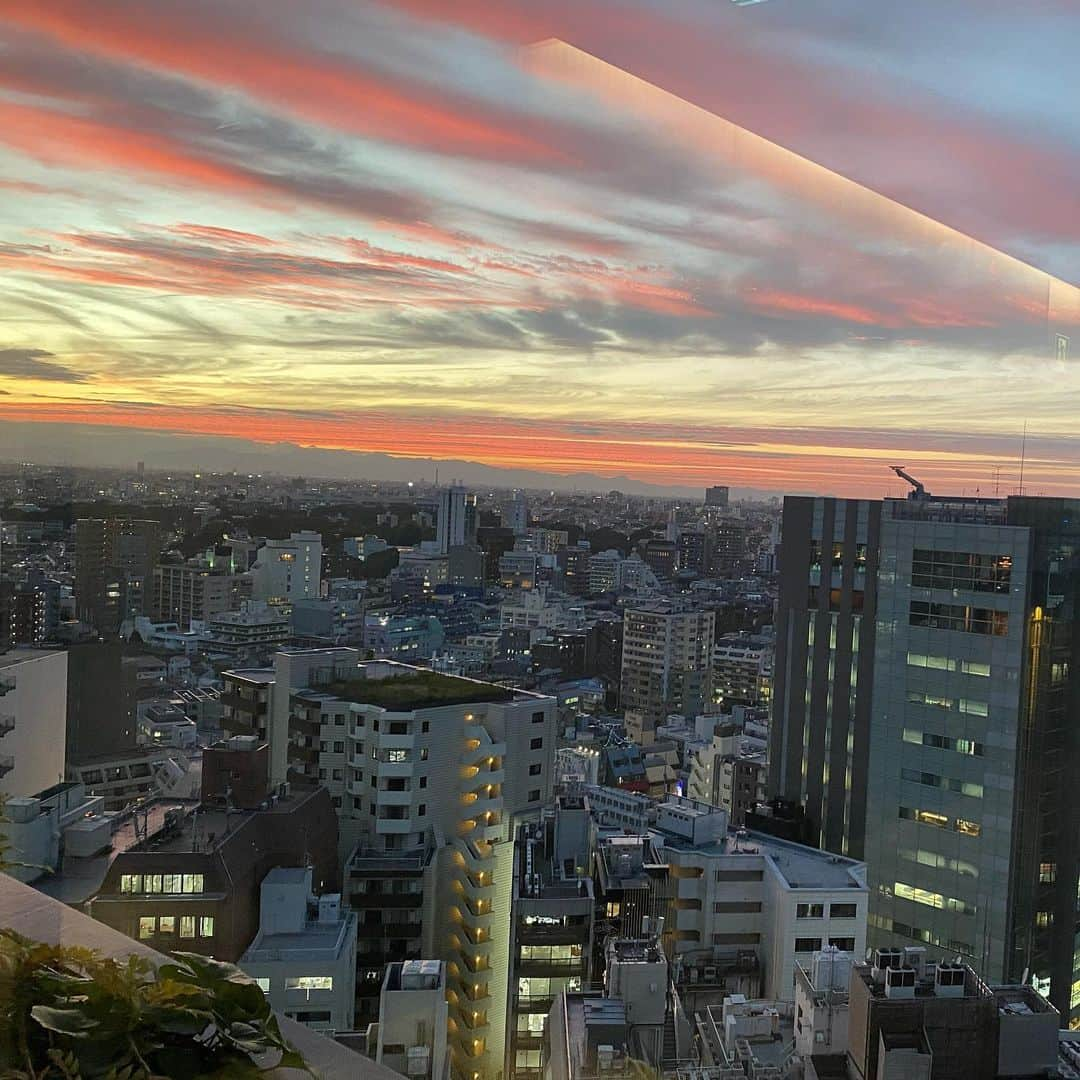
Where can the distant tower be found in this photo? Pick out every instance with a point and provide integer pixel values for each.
(716, 496)
(516, 515)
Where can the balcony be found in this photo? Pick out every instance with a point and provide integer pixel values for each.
(386, 797)
(7, 723)
(393, 826)
(7, 684)
(365, 862)
(395, 742)
(7, 763)
(386, 900)
(393, 769)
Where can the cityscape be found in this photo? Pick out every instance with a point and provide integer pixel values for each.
(539, 541)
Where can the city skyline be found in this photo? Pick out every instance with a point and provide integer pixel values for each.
(580, 258)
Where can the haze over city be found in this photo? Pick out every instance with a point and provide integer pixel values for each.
(560, 240)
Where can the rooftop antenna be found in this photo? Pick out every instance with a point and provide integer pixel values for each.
(1023, 455)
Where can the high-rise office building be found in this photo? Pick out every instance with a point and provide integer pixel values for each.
(457, 522)
(959, 744)
(667, 660)
(717, 495)
(114, 564)
(824, 665)
(516, 515)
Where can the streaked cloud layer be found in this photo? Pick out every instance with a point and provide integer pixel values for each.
(402, 227)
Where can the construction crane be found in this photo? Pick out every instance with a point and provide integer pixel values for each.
(918, 491)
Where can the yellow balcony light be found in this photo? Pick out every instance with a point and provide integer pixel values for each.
(472, 744)
(469, 797)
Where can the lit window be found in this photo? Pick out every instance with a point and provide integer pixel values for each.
(147, 926)
(171, 883)
(192, 883)
(130, 883)
(167, 924)
(310, 982)
(152, 883)
(206, 926)
(187, 926)
(263, 985)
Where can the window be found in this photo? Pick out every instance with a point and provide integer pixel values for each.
(397, 756)
(421, 810)
(932, 899)
(423, 753)
(538, 717)
(845, 944)
(612, 910)
(322, 774)
(310, 982)
(842, 911)
(425, 727)
(810, 911)
(339, 747)
(187, 926)
(807, 944)
(961, 617)
(130, 883)
(534, 795)
(536, 744)
(423, 781)
(171, 883)
(951, 570)
(535, 770)
(944, 742)
(152, 883)
(733, 907)
(736, 939)
(206, 926)
(337, 774)
(147, 926)
(263, 985)
(167, 924)
(192, 883)
(927, 779)
(316, 1016)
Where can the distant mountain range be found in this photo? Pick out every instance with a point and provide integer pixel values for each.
(112, 447)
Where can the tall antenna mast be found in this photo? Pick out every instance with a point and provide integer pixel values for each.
(1023, 455)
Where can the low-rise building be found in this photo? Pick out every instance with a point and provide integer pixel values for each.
(411, 1032)
(304, 955)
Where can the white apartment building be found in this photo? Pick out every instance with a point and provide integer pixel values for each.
(33, 720)
(456, 523)
(304, 955)
(255, 628)
(535, 610)
(748, 893)
(428, 773)
(288, 570)
(413, 1014)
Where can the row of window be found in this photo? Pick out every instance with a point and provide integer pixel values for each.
(813, 944)
(551, 953)
(963, 617)
(817, 911)
(944, 742)
(927, 937)
(932, 899)
(940, 821)
(161, 883)
(945, 783)
(150, 925)
(969, 706)
(947, 663)
(938, 861)
(837, 555)
(960, 570)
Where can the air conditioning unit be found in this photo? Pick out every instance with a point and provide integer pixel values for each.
(949, 980)
(899, 983)
(710, 973)
(883, 960)
(915, 957)
(605, 1058)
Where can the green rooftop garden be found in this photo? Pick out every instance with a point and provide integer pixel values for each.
(428, 690)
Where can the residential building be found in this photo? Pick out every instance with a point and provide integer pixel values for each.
(163, 723)
(407, 638)
(515, 515)
(304, 955)
(288, 570)
(717, 495)
(33, 718)
(114, 562)
(743, 671)
(428, 773)
(413, 1015)
(195, 591)
(667, 657)
(662, 558)
(728, 774)
(257, 629)
(325, 622)
(457, 521)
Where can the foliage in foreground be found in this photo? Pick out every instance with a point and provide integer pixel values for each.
(67, 1013)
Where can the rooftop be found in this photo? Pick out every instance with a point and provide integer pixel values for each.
(318, 941)
(22, 656)
(423, 690)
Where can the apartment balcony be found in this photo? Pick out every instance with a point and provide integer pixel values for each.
(7, 763)
(7, 684)
(475, 778)
(475, 855)
(385, 797)
(366, 862)
(7, 723)
(394, 742)
(361, 901)
(393, 826)
(358, 787)
(388, 931)
(393, 769)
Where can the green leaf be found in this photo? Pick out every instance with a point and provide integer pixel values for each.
(72, 1022)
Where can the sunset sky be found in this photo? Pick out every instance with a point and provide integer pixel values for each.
(779, 246)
